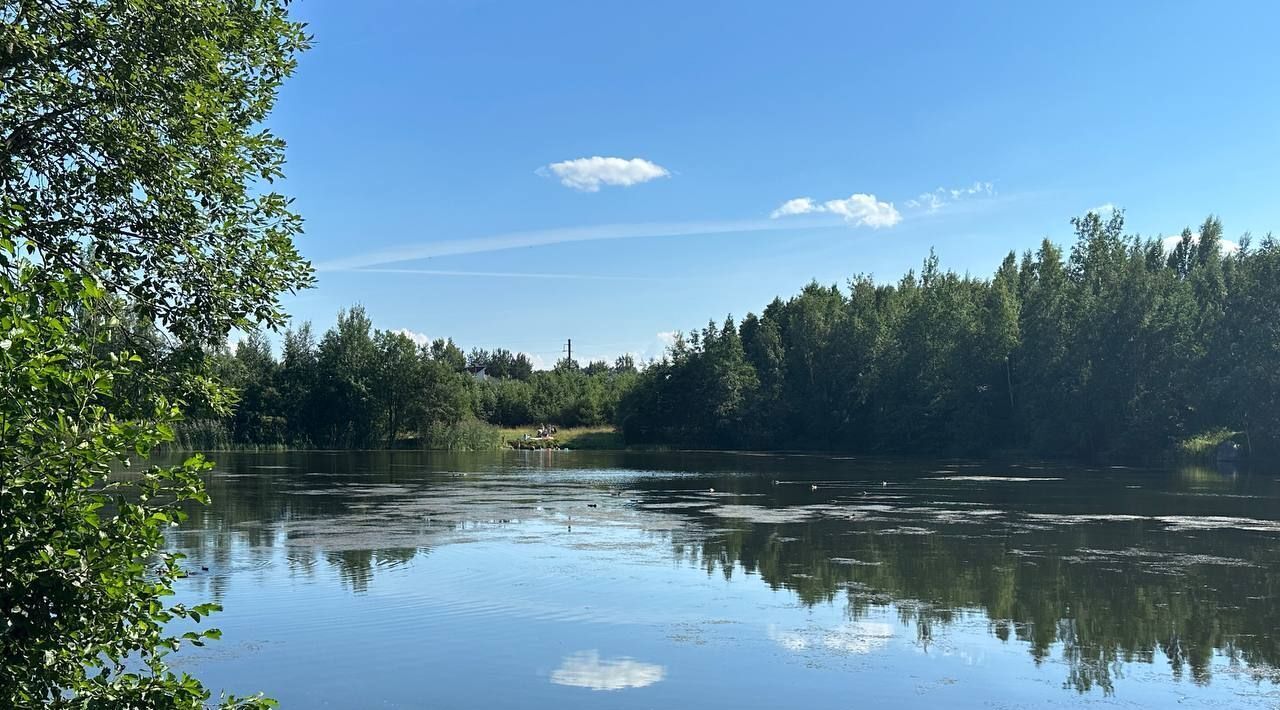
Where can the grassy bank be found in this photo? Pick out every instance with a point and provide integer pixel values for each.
(599, 438)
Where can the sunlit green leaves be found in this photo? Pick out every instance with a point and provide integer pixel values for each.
(132, 208)
(134, 129)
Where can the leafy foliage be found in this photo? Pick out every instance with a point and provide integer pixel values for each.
(84, 580)
(135, 212)
(133, 128)
(1118, 350)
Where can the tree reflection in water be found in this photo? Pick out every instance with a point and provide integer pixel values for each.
(1102, 568)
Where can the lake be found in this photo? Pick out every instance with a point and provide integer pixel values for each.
(666, 580)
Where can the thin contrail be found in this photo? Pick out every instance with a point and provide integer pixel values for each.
(543, 237)
(511, 274)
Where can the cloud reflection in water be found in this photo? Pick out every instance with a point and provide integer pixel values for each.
(585, 669)
(856, 637)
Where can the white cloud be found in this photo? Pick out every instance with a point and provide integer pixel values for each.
(864, 210)
(977, 188)
(859, 210)
(1226, 246)
(930, 201)
(667, 337)
(587, 670)
(538, 362)
(800, 205)
(418, 339)
(588, 174)
(943, 196)
(1103, 210)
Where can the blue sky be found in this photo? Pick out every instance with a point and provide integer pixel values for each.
(440, 152)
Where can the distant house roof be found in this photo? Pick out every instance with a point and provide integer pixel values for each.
(477, 371)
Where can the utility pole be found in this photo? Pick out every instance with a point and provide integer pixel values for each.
(568, 347)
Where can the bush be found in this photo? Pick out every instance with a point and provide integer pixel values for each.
(83, 587)
(1205, 444)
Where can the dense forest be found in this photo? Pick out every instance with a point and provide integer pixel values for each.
(1119, 349)
(360, 387)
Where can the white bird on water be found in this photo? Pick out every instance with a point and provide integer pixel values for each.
(813, 487)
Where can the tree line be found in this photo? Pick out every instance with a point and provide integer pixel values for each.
(1119, 348)
(362, 387)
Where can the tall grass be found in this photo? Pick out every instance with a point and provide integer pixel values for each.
(215, 435)
(466, 435)
(201, 435)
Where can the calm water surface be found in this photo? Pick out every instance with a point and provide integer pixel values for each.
(577, 579)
